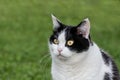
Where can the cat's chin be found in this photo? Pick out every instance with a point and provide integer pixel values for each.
(61, 57)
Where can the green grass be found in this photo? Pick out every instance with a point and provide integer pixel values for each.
(25, 26)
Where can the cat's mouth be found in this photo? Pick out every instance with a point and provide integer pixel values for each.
(60, 56)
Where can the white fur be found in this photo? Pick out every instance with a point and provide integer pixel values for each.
(87, 65)
(55, 22)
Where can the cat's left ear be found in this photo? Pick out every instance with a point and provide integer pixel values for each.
(84, 28)
(56, 22)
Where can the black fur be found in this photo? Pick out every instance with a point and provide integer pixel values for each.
(80, 43)
(108, 60)
(60, 28)
(56, 32)
(116, 75)
(107, 76)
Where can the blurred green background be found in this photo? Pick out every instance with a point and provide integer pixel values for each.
(25, 26)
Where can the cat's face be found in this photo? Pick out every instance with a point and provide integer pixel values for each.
(69, 40)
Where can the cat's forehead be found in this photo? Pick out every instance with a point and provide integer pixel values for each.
(62, 36)
(65, 33)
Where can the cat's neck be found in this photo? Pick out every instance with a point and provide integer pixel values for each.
(80, 64)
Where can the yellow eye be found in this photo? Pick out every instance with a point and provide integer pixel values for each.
(70, 42)
(55, 41)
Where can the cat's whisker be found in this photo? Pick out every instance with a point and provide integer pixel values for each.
(47, 62)
(44, 57)
(44, 61)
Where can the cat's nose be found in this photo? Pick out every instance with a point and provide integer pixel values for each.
(59, 50)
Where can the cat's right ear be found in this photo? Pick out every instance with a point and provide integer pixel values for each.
(56, 22)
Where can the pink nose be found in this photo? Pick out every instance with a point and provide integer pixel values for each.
(59, 50)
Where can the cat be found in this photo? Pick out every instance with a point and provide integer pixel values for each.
(76, 57)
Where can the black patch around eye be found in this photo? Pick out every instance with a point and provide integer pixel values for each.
(56, 33)
(80, 43)
(52, 37)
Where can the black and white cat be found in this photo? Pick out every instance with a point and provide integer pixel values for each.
(76, 57)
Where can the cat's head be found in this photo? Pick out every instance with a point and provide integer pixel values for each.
(67, 41)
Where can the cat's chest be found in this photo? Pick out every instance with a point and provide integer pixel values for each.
(71, 73)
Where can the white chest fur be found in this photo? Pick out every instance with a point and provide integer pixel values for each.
(88, 65)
